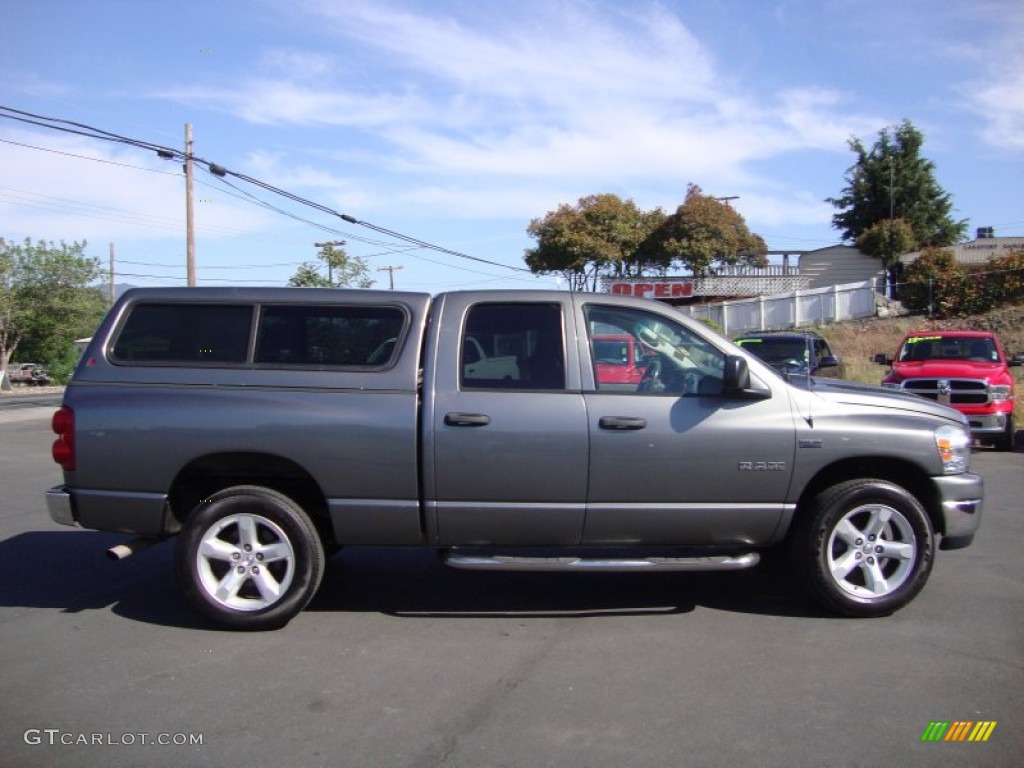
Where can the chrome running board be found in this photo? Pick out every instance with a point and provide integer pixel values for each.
(599, 564)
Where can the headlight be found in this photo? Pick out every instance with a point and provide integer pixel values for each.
(890, 385)
(954, 447)
(1000, 392)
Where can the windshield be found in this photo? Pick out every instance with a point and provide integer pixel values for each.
(777, 352)
(981, 349)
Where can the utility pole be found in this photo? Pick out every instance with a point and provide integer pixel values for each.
(190, 236)
(391, 274)
(330, 267)
(111, 273)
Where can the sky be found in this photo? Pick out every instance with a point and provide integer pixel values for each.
(457, 122)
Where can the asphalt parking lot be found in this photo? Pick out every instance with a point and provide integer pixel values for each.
(402, 662)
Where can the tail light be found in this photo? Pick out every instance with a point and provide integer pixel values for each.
(64, 446)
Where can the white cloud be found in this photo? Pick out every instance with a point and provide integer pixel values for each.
(275, 102)
(300, 64)
(86, 190)
(557, 93)
(999, 99)
(564, 55)
(998, 94)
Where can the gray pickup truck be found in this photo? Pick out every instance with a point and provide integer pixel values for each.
(267, 428)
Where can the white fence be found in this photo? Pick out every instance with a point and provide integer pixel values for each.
(790, 310)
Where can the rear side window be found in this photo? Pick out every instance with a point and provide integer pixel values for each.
(342, 336)
(185, 333)
(513, 346)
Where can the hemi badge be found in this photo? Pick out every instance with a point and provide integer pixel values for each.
(811, 443)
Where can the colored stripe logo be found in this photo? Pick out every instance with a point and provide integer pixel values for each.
(958, 730)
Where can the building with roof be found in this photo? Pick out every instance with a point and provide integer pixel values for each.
(977, 252)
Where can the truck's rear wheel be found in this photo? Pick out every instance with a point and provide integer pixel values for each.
(865, 548)
(249, 558)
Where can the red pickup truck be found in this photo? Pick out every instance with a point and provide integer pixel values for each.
(620, 359)
(966, 370)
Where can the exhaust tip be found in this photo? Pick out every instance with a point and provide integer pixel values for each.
(129, 548)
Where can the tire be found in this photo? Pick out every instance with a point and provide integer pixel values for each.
(1006, 440)
(865, 548)
(249, 558)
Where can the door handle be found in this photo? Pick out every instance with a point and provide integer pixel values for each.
(467, 419)
(621, 422)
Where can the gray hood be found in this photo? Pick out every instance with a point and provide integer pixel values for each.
(869, 395)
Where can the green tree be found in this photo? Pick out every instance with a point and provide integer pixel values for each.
(937, 283)
(1005, 278)
(705, 233)
(886, 239)
(893, 181)
(343, 271)
(46, 300)
(934, 282)
(600, 235)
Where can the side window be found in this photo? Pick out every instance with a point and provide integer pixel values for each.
(184, 333)
(347, 335)
(670, 359)
(513, 346)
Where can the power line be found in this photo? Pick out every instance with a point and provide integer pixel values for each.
(212, 266)
(205, 279)
(75, 207)
(86, 157)
(82, 129)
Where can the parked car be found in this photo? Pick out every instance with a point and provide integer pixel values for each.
(793, 353)
(966, 370)
(29, 375)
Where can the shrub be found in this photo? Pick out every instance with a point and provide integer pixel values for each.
(934, 282)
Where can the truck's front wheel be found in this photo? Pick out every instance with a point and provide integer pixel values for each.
(865, 548)
(249, 558)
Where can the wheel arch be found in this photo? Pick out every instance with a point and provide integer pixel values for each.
(901, 472)
(206, 475)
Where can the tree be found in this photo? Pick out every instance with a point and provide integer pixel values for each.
(892, 181)
(600, 235)
(886, 239)
(937, 283)
(343, 271)
(704, 233)
(934, 282)
(46, 301)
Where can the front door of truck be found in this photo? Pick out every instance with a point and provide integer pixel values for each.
(674, 460)
(506, 453)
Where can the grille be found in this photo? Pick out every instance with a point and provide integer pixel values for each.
(950, 391)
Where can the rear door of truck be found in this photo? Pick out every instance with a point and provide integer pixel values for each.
(505, 459)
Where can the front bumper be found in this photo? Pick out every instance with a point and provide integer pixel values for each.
(986, 423)
(961, 500)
